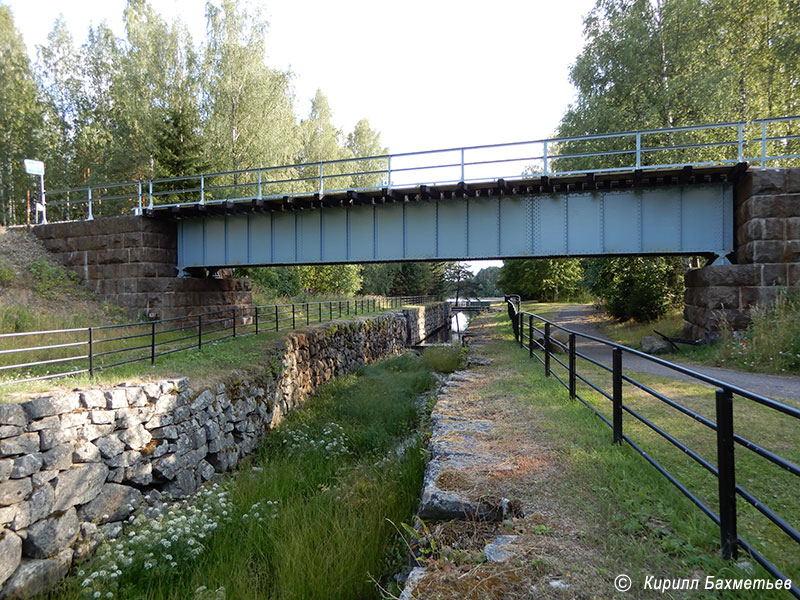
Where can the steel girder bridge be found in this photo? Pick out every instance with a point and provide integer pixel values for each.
(666, 191)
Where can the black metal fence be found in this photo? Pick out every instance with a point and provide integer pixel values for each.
(537, 335)
(37, 355)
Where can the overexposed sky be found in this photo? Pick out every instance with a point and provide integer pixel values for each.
(427, 74)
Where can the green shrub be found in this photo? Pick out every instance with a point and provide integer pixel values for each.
(638, 288)
(49, 280)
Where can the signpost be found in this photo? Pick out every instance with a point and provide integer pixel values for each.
(36, 167)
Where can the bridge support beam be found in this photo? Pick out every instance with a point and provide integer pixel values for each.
(767, 257)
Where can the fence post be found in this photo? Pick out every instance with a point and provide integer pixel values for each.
(234, 322)
(200, 332)
(277, 323)
(572, 372)
(617, 395)
(152, 343)
(520, 326)
(91, 353)
(294, 322)
(530, 335)
(547, 349)
(308, 315)
(256, 320)
(320, 311)
(330, 310)
(727, 475)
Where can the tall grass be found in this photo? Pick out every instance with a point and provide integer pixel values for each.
(771, 342)
(312, 517)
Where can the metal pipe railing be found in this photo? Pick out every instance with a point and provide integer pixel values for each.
(163, 335)
(722, 425)
(757, 141)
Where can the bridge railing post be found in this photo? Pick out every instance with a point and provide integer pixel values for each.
(638, 150)
(89, 215)
(321, 177)
(763, 144)
(544, 157)
(740, 136)
(150, 194)
(202, 189)
(462, 165)
(259, 185)
(389, 172)
(139, 196)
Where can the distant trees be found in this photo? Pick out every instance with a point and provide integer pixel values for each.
(642, 288)
(544, 279)
(155, 104)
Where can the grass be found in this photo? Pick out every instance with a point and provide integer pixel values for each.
(771, 344)
(311, 518)
(630, 333)
(445, 359)
(214, 358)
(636, 502)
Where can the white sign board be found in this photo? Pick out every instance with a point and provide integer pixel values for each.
(34, 167)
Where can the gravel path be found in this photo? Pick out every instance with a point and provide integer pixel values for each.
(773, 386)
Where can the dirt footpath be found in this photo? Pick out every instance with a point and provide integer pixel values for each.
(491, 527)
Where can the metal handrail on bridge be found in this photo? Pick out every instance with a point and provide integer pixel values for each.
(98, 348)
(723, 424)
(766, 142)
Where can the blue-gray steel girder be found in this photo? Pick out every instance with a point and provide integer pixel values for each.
(691, 219)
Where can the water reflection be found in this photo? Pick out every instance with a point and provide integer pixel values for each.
(449, 335)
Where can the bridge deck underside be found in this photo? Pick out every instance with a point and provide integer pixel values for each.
(693, 219)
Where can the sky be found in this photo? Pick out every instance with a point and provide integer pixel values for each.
(427, 74)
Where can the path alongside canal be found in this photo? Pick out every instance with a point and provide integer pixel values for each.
(578, 318)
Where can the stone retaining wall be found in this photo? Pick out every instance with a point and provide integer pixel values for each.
(132, 261)
(425, 320)
(767, 256)
(75, 463)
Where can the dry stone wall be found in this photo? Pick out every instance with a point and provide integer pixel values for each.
(132, 261)
(767, 256)
(75, 464)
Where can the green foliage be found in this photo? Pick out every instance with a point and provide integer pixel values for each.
(16, 318)
(403, 279)
(486, 282)
(458, 280)
(50, 281)
(680, 62)
(20, 119)
(638, 288)
(6, 272)
(772, 341)
(545, 279)
(344, 280)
